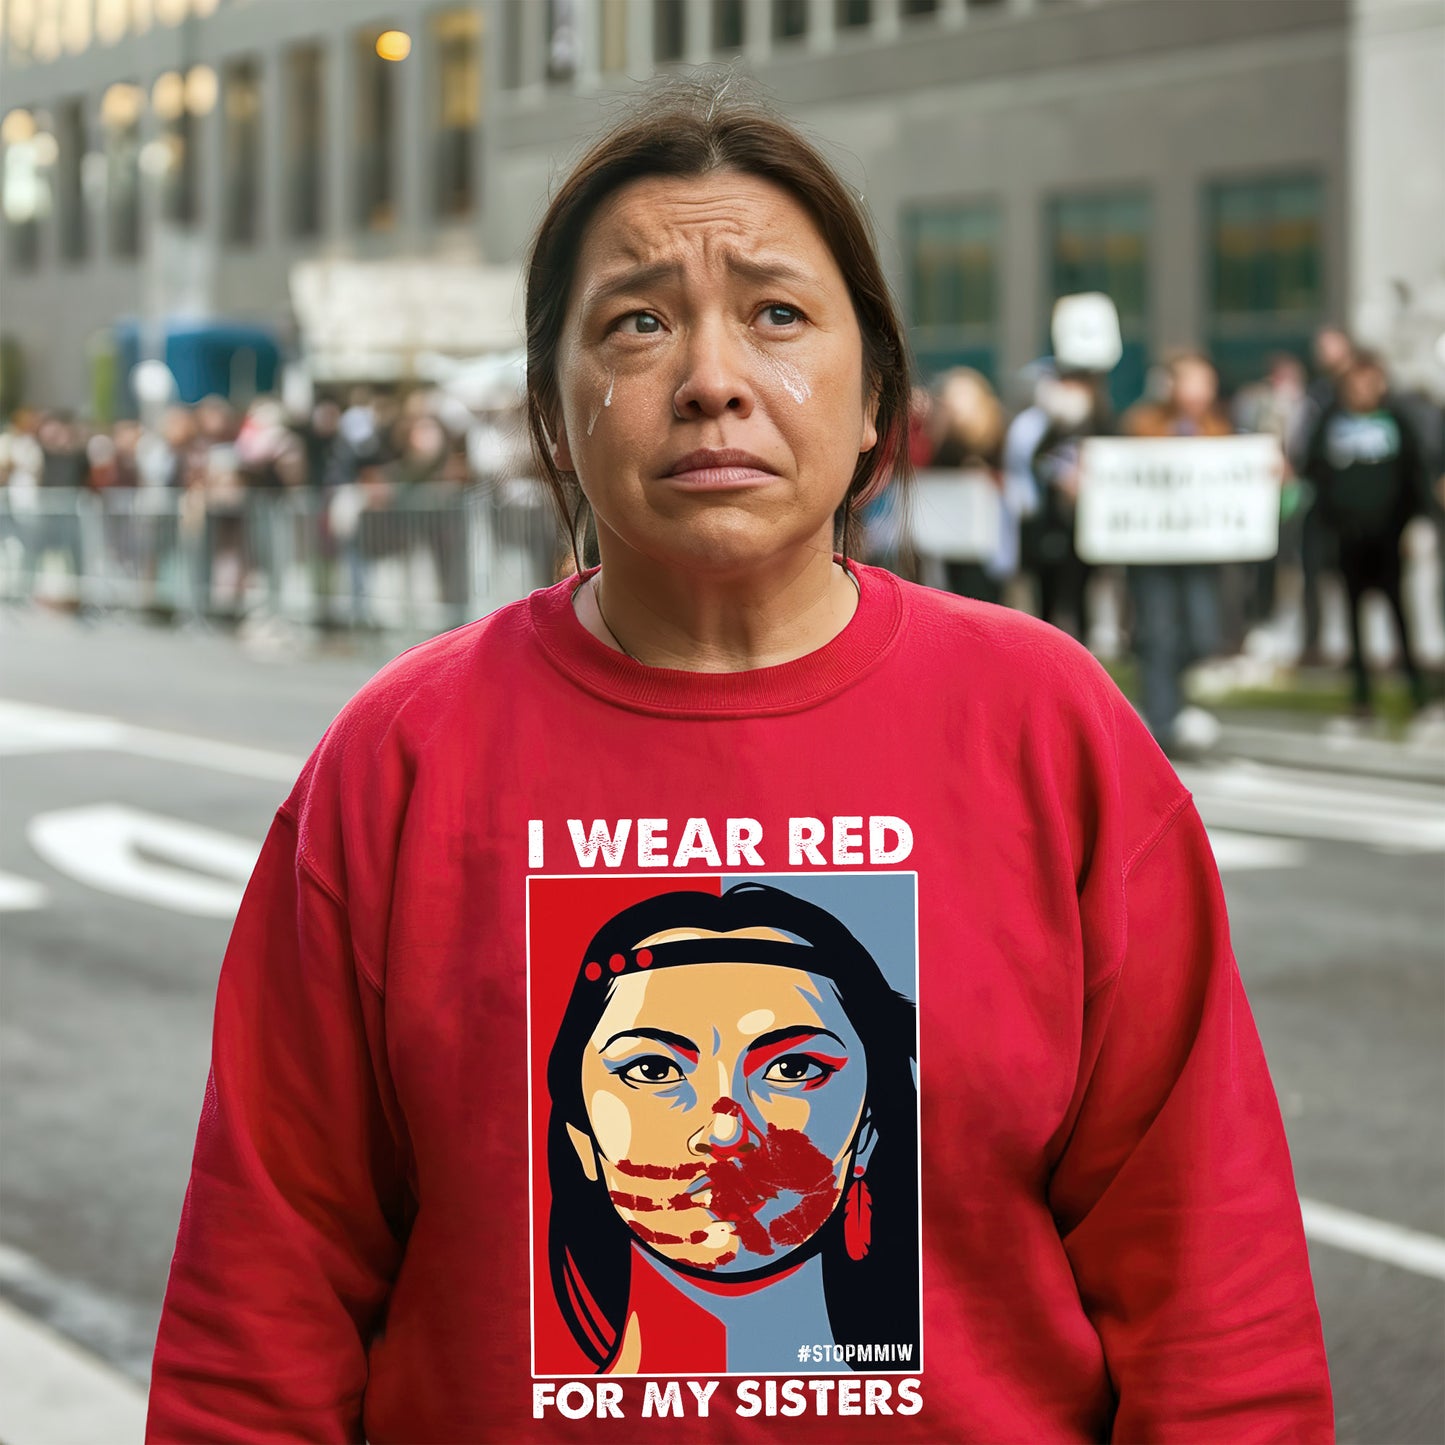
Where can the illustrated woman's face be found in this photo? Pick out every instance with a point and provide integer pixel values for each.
(724, 1102)
(710, 373)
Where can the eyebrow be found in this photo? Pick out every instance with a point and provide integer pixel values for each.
(766, 1047)
(683, 1046)
(639, 278)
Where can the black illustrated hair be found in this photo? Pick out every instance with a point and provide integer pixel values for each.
(697, 127)
(590, 1248)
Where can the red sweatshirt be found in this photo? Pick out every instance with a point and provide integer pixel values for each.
(850, 1050)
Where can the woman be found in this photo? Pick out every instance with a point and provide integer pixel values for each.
(800, 1174)
(1110, 1239)
(971, 426)
(1176, 606)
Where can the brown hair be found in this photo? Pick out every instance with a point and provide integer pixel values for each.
(694, 128)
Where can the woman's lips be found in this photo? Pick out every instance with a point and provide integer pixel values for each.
(719, 470)
(720, 479)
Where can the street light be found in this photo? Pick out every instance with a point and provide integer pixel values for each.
(393, 45)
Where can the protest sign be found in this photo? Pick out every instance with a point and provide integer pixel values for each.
(955, 515)
(1178, 499)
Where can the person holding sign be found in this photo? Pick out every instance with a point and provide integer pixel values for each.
(1175, 605)
(841, 956)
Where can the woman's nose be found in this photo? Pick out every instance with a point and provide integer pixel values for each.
(725, 1132)
(716, 380)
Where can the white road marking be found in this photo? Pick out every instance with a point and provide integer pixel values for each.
(144, 856)
(19, 895)
(1410, 1249)
(1291, 802)
(52, 1392)
(26, 728)
(1249, 852)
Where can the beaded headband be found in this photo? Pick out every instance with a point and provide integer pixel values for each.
(704, 950)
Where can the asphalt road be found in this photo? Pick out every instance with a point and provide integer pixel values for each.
(1334, 885)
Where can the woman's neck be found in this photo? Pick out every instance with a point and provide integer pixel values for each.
(734, 622)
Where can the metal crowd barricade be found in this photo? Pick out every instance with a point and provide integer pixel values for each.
(413, 560)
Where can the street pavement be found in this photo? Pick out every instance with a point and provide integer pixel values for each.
(140, 769)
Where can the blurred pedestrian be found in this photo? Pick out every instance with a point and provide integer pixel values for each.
(968, 433)
(1333, 354)
(1274, 406)
(1176, 606)
(1074, 407)
(1369, 470)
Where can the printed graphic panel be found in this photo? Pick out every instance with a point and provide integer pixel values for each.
(724, 1123)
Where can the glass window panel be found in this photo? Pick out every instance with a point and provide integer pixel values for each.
(790, 19)
(952, 265)
(727, 25)
(1101, 243)
(241, 144)
(853, 14)
(458, 111)
(71, 134)
(1265, 239)
(120, 112)
(374, 122)
(667, 30)
(305, 121)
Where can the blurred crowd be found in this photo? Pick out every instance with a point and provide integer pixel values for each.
(382, 439)
(373, 471)
(1361, 461)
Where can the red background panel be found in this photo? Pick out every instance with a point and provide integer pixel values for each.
(563, 915)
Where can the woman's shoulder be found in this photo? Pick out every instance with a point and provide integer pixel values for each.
(997, 644)
(435, 690)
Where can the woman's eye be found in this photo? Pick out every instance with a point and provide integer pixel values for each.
(654, 1069)
(639, 323)
(780, 315)
(798, 1069)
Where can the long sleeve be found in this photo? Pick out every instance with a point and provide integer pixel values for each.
(290, 1232)
(1174, 1192)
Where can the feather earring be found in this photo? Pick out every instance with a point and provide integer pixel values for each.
(858, 1218)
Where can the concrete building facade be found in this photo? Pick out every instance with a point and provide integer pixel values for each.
(1234, 174)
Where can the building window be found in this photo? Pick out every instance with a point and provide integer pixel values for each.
(612, 35)
(853, 14)
(1266, 277)
(458, 109)
(561, 39)
(1101, 243)
(305, 138)
(790, 19)
(951, 251)
(727, 25)
(374, 126)
(120, 113)
(177, 149)
(911, 9)
(667, 30)
(70, 185)
(241, 114)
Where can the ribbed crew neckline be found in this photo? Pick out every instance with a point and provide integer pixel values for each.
(787, 687)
